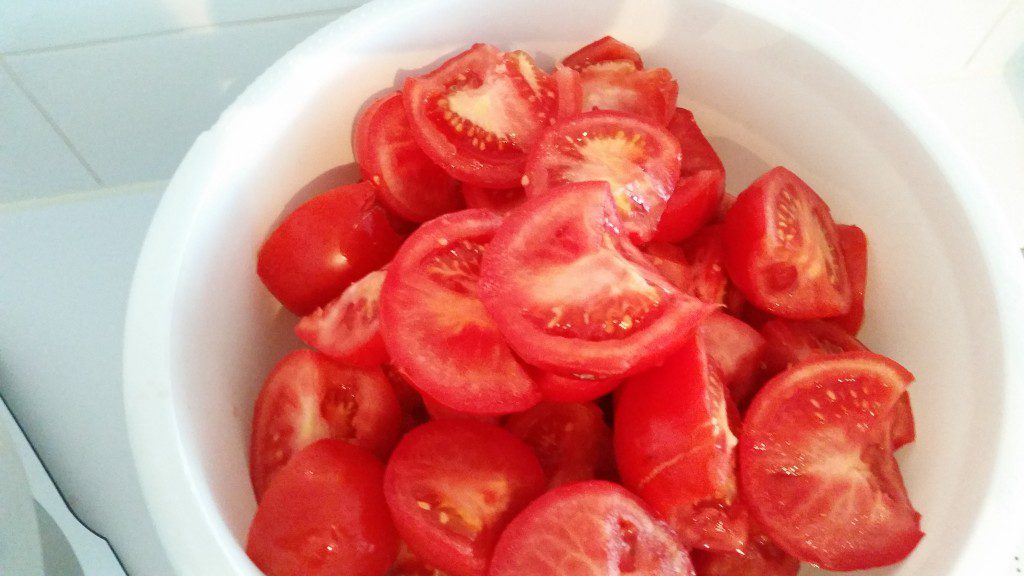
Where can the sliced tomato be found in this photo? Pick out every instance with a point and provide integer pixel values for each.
(727, 201)
(409, 564)
(904, 431)
(348, 327)
(758, 557)
(789, 342)
(477, 113)
(410, 401)
(606, 49)
(439, 411)
(437, 330)
(557, 388)
(675, 449)
(595, 528)
(497, 200)
(817, 467)
(782, 249)
(408, 182)
(571, 440)
(618, 85)
(737, 350)
(570, 92)
(324, 245)
(305, 525)
(855, 253)
(696, 266)
(573, 296)
(309, 397)
(640, 161)
(701, 185)
(452, 487)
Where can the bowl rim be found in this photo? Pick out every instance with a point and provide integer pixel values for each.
(198, 541)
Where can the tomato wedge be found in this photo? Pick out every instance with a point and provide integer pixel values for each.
(324, 245)
(308, 397)
(606, 49)
(697, 267)
(573, 296)
(439, 411)
(408, 182)
(568, 389)
(817, 468)
(435, 327)
(855, 253)
(595, 528)
(639, 160)
(497, 200)
(452, 487)
(618, 85)
(305, 525)
(701, 185)
(409, 564)
(758, 557)
(571, 440)
(348, 327)
(737, 350)
(782, 249)
(477, 113)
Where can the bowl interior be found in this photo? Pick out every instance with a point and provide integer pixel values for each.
(763, 96)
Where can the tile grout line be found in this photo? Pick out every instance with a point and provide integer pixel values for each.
(49, 120)
(174, 31)
(43, 201)
(984, 39)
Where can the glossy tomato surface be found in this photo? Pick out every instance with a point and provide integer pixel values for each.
(594, 528)
(697, 267)
(816, 464)
(557, 388)
(737, 350)
(701, 185)
(498, 200)
(437, 330)
(620, 86)
(573, 296)
(571, 440)
(605, 49)
(323, 515)
(855, 253)
(324, 245)
(452, 486)
(348, 327)
(758, 557)
(309, 397)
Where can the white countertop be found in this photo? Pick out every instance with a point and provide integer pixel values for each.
(106, 96)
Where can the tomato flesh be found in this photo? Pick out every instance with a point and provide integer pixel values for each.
(855, 253)
(737, 350)
(816, 464)
(618, 85)
(759, 557)
(606, 49)
(696, 266)
(572, 296)
(701, 185)
(348, 327)
(452, 486)
(409, 564)
(305, 525)
(309, 397)
(568, 389)
(595, 528)
(571, 440)
(324, 245)
(497, 200)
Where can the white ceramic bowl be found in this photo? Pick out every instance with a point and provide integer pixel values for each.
(767, 86)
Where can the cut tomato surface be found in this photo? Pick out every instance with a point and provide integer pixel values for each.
(782, 249)
(737, 350)
(408, 181)
(758, 557)
(573, 296)
(477, 113)
(569, 389)
(571, 440)
(409, 564)
(410, 401)
(618, 85)
(595, 528)
(701, 185)
(497, 200)
(855, 253)
(309, 397)
(452, 487)
(437, 330)
(639, 160)
(348, 327)
(816, 463)
(324, 245)
(696, 266)
(324, 514)
(439, 411)
(606, 49)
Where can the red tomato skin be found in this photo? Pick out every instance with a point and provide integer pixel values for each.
(355, 405)
(569, 90)
(618, 86)
(783, 442)
(904, 431)
(497, 200)
(557, 388)
(408, 182)
(443, 459)
(855, 253)
(324, 245)
(410, 400)
(439, 411)
(324, 514)
(595, 528)
(737, 350)
(789, 342)
(701, 185)
(571, 440)
(348, 327)
(756, 258)
(697, 267)
(408, 564)
(606, 49)
(760, 557)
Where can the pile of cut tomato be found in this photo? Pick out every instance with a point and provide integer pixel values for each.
(544, 341)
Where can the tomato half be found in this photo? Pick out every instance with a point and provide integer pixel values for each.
(408, 182)
(324, 514)
(573, 296)
(816, 465)
(855, 253)
(452, 487)
(782, 249)
(477, 114)
(435, 327)
(618, 85)
(701, 185)
(595, 528)
(324, 245)
(737, 350)
(640, 161)
(348, 327)
(696, 266)
(497, 200)
(308, 397)
(571, 440)
(606, 49)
